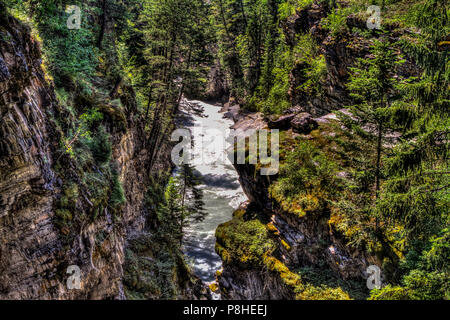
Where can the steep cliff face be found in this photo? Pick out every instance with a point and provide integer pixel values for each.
(27, 183)
(308, 258)
(35, 247)
(339, 51)
(297, 243)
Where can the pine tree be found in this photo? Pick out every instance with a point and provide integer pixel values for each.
(184, 200)
(266, 81)
(175, 36)
(368, 125)
(192, 204)
(416, 194)
(174, 210)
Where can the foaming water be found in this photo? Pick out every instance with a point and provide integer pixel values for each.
(221, 188)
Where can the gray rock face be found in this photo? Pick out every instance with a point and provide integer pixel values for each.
(283, 122)
(34, 251)
(4, 72)
(252, 285)
(303, 123)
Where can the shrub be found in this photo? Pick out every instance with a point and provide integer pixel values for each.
(425, 285)
(307, 178)
(336, 22)
(390, 293)
(100, 146)
(117, 194)
(277, 100)
(287, 8)
(69, 52)
(245, 242)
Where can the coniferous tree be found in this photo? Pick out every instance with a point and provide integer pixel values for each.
(415, 195)
(175, 35)
(418, 170)
(184, 200)
(368, 127)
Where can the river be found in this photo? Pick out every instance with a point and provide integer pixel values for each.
(221, 189)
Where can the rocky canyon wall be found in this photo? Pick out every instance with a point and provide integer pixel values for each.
(302, 256)
(35, 247)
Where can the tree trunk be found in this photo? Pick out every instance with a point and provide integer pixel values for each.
(103, 25)
(113, 93)
(378, 167)
(222, 14)
(182, 204)
(148, 103)
(180, 95)
(241, 2)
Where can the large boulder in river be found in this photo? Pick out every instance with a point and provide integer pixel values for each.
(303, 123)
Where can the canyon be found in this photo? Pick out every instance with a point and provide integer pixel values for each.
(35, 252)
(85, 169)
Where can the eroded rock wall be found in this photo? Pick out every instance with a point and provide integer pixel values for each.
(34, 251)
(308, 241)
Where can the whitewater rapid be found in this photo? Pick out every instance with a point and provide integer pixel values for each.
(221, 188)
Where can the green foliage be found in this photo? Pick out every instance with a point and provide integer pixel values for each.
(100, 146)
(326, 280)
(383, 178)
(418, 285)
(183, 201)
(390, 293)
(307, 180)
(288, 8)
(150, 269)
(426, 272)
(368, 125)
(315, 75)
(248, 38)
(310, 292)
(416, 192)
(175, 34)
(243, 242)
(336, 21)
(154, 266)
(278, 100)
(117, 197)
(69, 53)
(427, 285)
(437, 257)
(308, 54)
(66, 205)
(174, 208)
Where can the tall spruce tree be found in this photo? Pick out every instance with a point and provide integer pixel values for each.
(369, 134)
(416, 194)
(184, 200)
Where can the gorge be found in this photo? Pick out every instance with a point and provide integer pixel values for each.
(86, 172)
